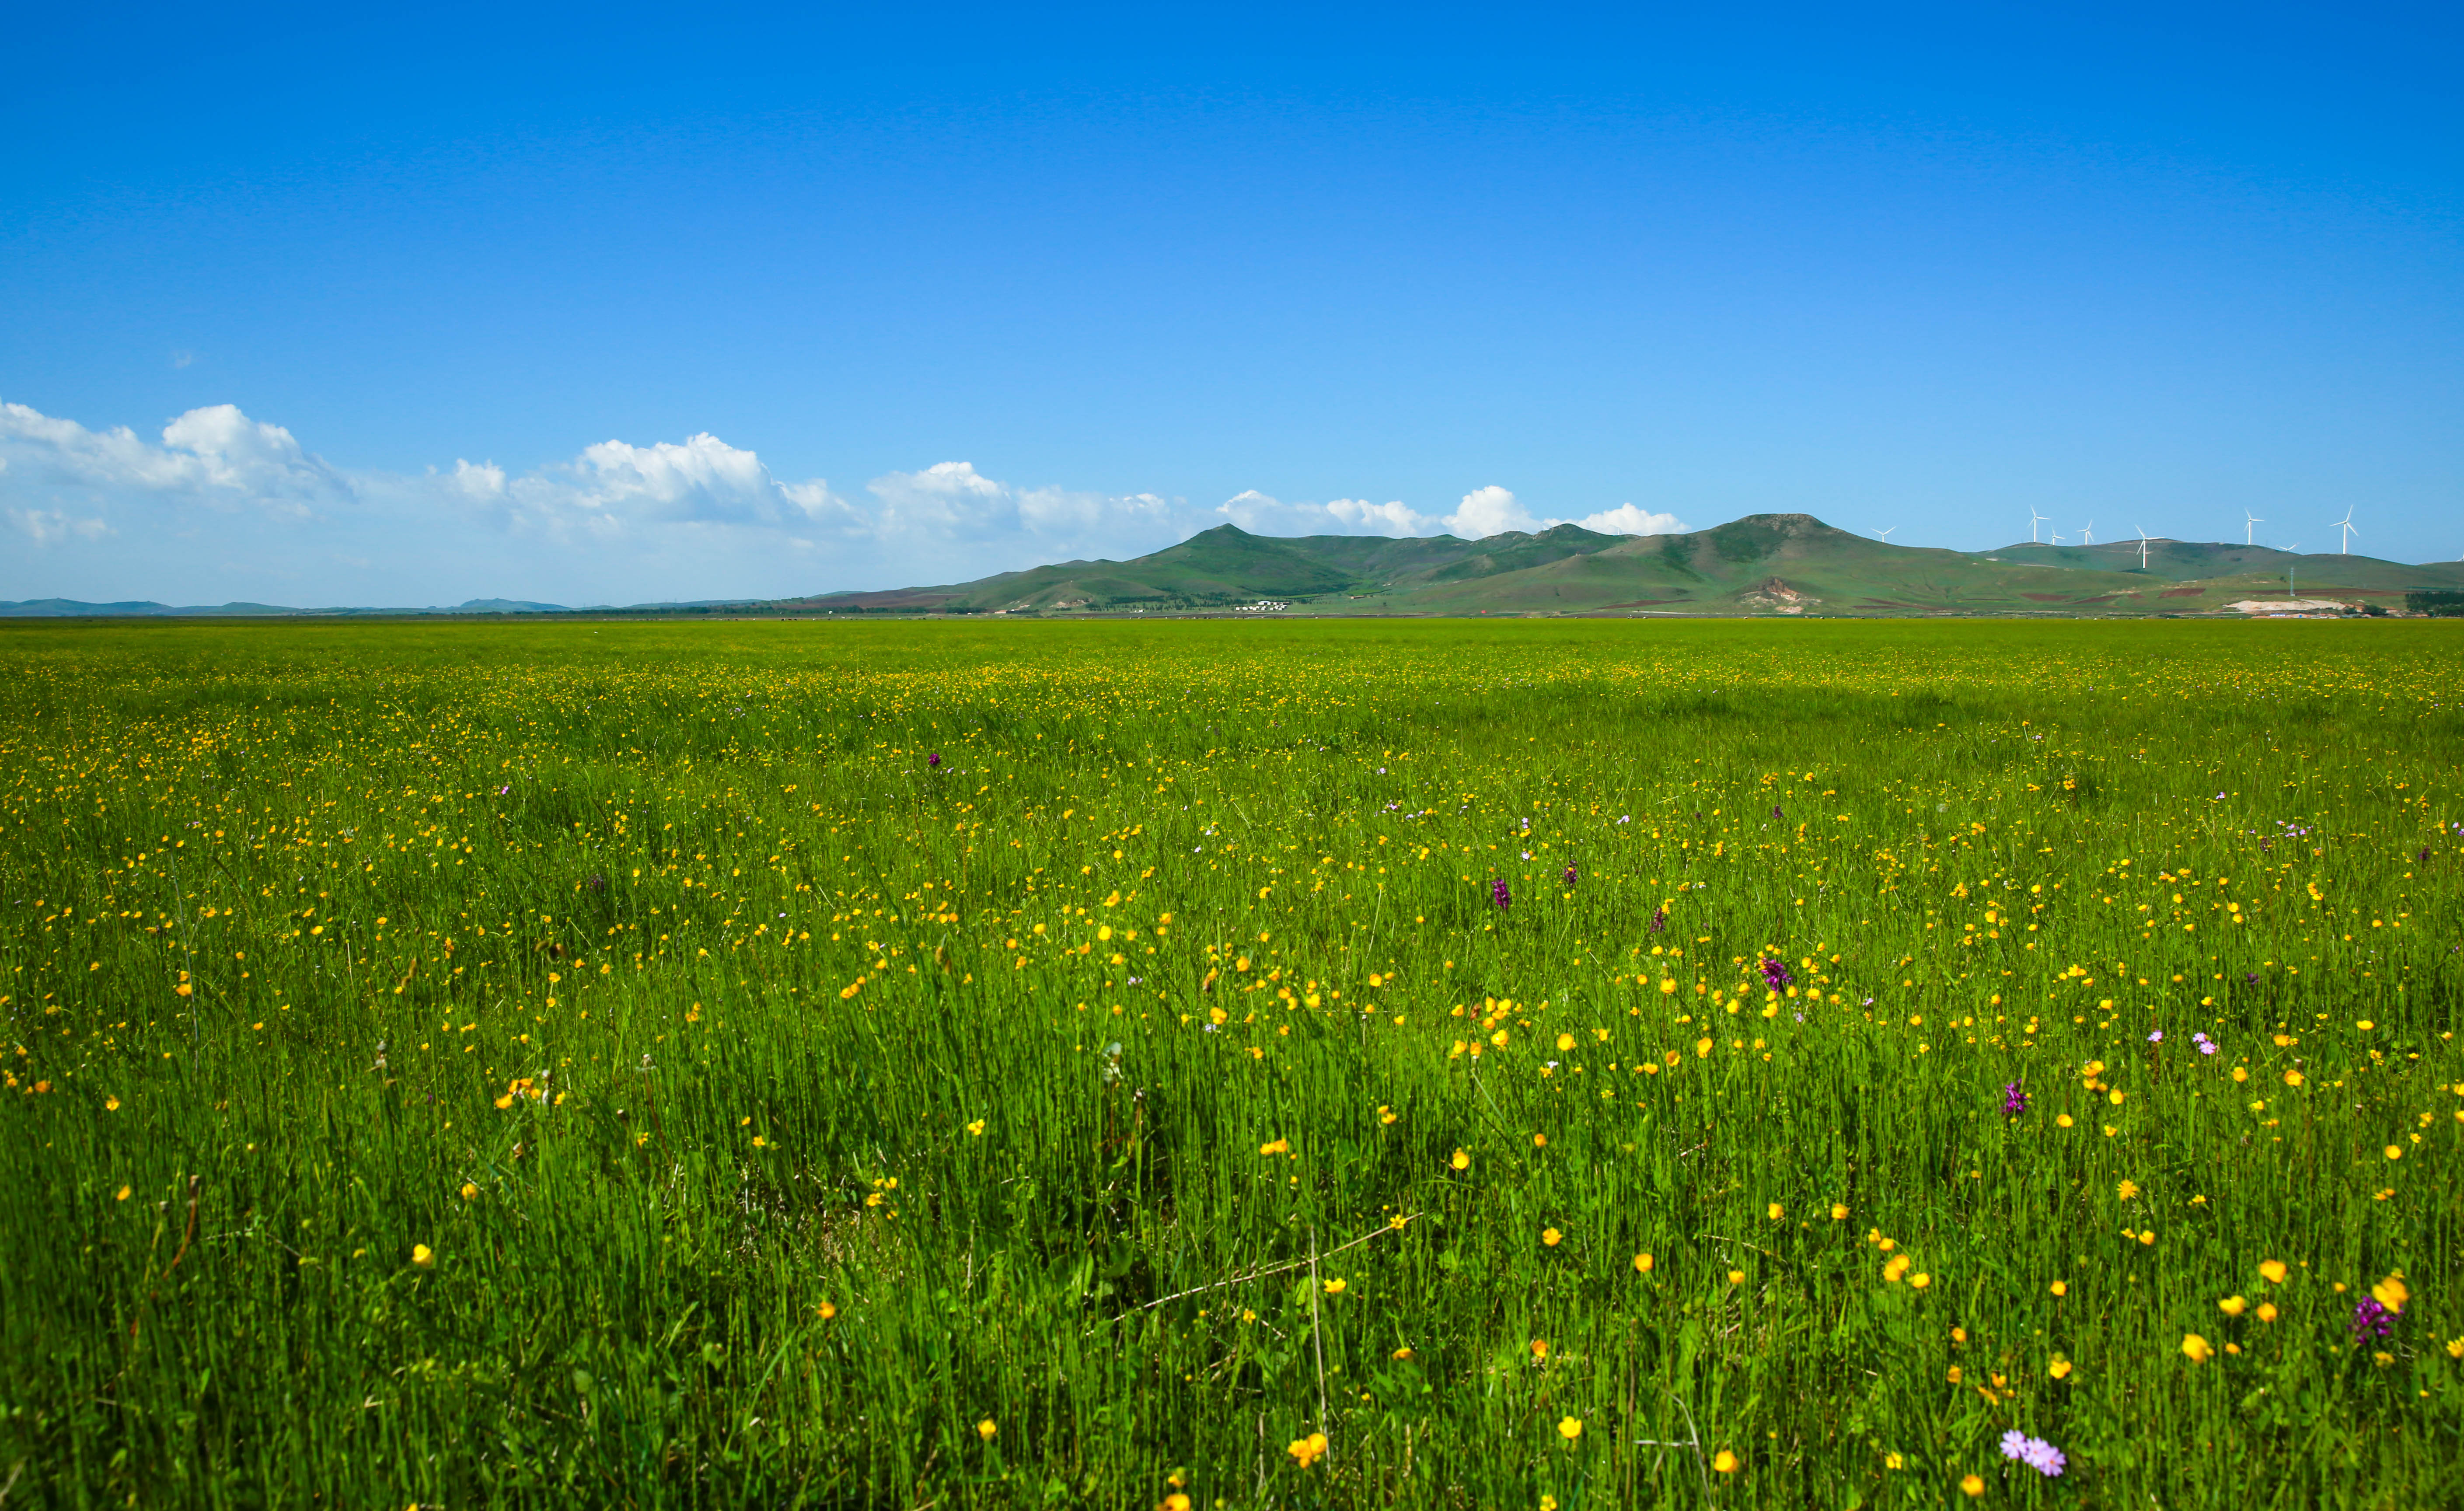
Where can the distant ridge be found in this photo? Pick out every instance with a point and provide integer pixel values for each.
(1792, 564)
(1789, 564)
(71, 608)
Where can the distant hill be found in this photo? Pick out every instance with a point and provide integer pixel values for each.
(71, 608)
(1760, 564)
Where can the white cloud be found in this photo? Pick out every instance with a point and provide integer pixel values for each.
(1263, 515)
(1482, 512)
(215, 456)
(1393, 517)
(614, 488)
(480, 484)
(1490, 511)
(1625, 520)
(226, 506)
(952, 502)
(46, 526)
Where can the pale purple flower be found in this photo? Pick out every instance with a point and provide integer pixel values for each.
(2156, 1037)
(2035, 1453)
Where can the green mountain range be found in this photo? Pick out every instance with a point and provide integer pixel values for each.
(1760, 564)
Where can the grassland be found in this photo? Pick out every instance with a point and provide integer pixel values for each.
(461, 1066)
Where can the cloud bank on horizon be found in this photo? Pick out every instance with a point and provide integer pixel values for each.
(225, 508)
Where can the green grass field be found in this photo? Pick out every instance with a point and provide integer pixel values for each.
(458, 1065)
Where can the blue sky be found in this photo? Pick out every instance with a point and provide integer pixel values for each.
(619, 304)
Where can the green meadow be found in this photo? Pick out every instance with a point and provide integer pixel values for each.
(1520, 1064)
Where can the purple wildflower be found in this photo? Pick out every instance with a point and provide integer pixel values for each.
(2035, 1453)
(1775, 813)
(2425, 853)
(2015, 1100)
(1570, 876)
(1660, 920)
(501, 791)
(1775, 974)
(2157, 1037)
(2372, 1320)
(1498, 894)
(934, 761)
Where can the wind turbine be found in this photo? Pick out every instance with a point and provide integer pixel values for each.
(2090, 532)
(2143, 546)
(2249, 523)
(1885, 534)
(2057, 538)
(2346, 525)
(2034, 520)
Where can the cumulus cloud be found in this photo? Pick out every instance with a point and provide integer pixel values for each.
(951, 501)
(214, 456)
(614, 486)
(1487, 511)
(44, 526)
(619, 521)
(221, 505)
(1262, 514)
(1481, 512)
(1625, 520)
